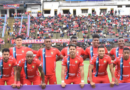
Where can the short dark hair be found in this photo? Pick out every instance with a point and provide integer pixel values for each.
(19, 37)
(95, 36)
(101, 46)
(47, 38)
(120, 38)
(72, 45)
(5, 50)
(73, 37)
(126, 49)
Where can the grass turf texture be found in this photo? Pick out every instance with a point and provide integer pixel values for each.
(86, 64)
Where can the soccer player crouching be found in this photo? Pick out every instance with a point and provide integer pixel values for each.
(31, 66)
(99, 65)
(123, 65)
(7, 63)
(72, 63)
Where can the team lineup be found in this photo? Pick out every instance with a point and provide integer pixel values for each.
(19, 67)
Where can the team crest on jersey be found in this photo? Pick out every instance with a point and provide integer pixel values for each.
(22, 51)
(104, 61)
(51, 52)
(76, 61)
(77, 52)
(9, 65)
(129, 62)
(33, 66)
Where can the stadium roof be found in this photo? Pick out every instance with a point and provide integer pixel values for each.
(20, 1)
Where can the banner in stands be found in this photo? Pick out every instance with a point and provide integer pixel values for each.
(87, 0)
(10, 6)
(125, 86)
(42, 41)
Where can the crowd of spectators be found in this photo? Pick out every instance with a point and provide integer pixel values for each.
(65, 26)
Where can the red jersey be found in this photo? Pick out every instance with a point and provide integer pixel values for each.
(50, 62)
(65, 51)
(20, 52)
(74, 65)
(32, 69)
(116, 52)
(102, 64)
(94, 51)
(8, 66)
(126, 67)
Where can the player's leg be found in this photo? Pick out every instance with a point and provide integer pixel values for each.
(52, 79)
(2, 81)
(10, 81)
(77, 80)
(36, 80)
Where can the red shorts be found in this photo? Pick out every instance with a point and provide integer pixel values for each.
(51, 79)
(101, 79)
(125, 80)
(8, 80)
(74, 80)
(35, 81)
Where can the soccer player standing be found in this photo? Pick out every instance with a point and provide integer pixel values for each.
(73, 40)
(123, 66)
(48, 58)
(31, 66)
(93, 50)
(117, 52)
(99, 65)
(71, 64)
(7, 63)
(19, 52)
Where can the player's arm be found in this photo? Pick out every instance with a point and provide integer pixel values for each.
(15, 77)
(83, 54)
(42, 76)
(82, 76)
(90, 72)
(62, 76)
(15, 73)
(59, 57)
(86, 54)
(111, 54)
(90, 76)
(18, 76)
(114, 80)
(112, 70)
(38, 54)
(34, 51)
